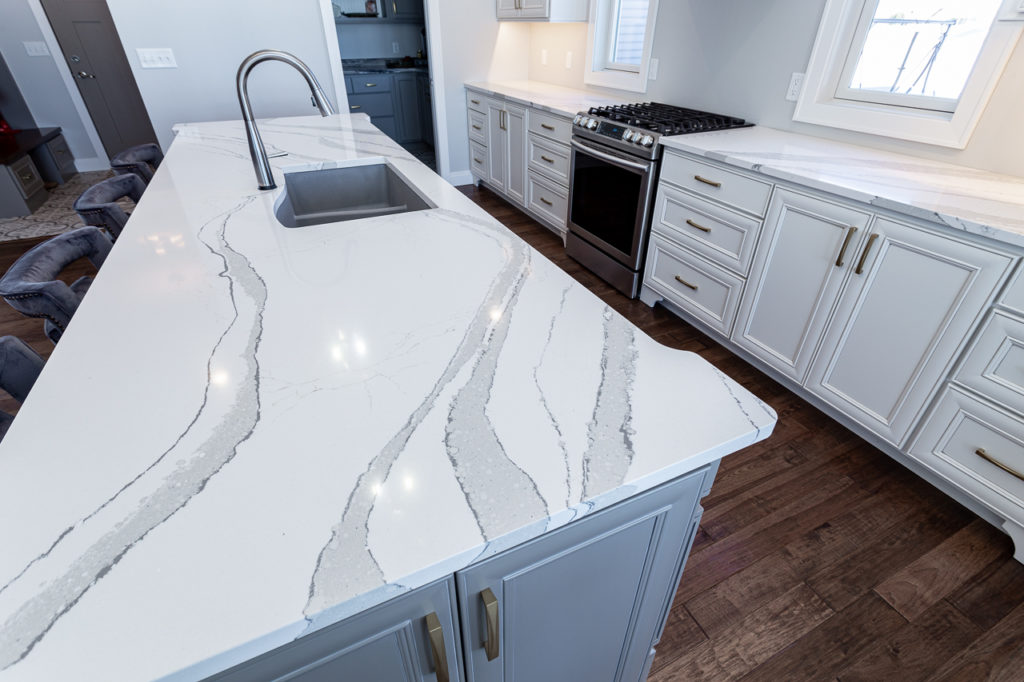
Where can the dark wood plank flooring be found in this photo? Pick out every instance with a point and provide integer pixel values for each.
(819, 557)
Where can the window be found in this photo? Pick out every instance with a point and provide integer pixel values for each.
(620, 38)
(916, 69)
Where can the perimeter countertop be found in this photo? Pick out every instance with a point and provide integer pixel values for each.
(975, 201)
(553, 98)
(250, 432)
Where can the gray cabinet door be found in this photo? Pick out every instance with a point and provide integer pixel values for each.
(407, 109)
(426, 109)
(389, 643)
(585, 602)
(404, 10)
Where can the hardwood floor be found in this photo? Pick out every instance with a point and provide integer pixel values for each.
(819, 557)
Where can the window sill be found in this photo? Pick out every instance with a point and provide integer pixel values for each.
(618, 80)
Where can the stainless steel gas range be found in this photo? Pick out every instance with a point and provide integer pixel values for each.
(614, 169)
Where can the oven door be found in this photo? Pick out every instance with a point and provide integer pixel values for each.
(609, 197)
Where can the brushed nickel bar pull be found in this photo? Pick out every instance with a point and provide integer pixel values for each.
(699, 227)
(356, 106)
(436, 634)
(864, 256)
(545, 126)
(476, 127)
(544, 158)
(685, 283)
(477, 160)
(546, 201)
(846, 243)
(475, 101)
(371, 85)
(492, 645)
(706, 181)
(394, 7)
(980, 452)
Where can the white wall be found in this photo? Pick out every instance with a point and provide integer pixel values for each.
(736, 57)
(372, 41)
(41, 84)
(210, 40)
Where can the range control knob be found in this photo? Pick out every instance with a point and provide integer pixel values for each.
(591, 124)
(628, 136)
(647, 141)
(576, 121)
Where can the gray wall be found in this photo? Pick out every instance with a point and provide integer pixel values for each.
(210, 39)
(12, 104)
(375, 40)
(736, 57)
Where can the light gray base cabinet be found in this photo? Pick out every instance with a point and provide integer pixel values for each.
(588, 601)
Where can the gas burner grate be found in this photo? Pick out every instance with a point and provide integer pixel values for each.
(666, 119)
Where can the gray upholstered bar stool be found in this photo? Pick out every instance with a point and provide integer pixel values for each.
(98, 205)
(19, 368)
(31, 286)
(143, 160)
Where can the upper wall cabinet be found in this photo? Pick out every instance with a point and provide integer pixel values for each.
(543, 10)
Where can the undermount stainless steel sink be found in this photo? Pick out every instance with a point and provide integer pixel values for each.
(336, 194)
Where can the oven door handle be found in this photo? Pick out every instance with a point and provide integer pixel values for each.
(611, 158)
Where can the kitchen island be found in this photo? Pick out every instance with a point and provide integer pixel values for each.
(251, 433)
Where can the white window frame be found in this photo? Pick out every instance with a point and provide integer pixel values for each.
(600, 70)
(818, 102)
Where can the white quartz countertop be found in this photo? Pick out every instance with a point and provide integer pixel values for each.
(554, 98)
(249, 432)
(966, 199)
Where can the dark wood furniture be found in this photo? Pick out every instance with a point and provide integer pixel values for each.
(31, 159)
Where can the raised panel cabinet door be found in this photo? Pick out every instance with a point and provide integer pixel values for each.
(412, 638)
(508, 9)
(914, 298)
(515, 121)
(407, 110)
(497, 145)
(584, 602)
(404, 10)
(805, 254)
(535, 9)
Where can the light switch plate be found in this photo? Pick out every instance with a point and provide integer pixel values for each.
(36, 48)
(156, 58)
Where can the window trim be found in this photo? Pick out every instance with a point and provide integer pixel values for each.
(819, 102)
(600, 70)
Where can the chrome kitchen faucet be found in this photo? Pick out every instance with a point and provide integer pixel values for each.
(256, 149)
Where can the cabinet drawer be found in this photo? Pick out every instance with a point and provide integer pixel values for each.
(1014, 295)
(375, 104)
(694, 284)
(478, 159)
(994, 365)
(476, 101)
(549, 158)
(715, 182)
(61, 153)
(362, 83)
(720, 235)
(26, 176)
(478, 127)
(548, 125)
(547, 199)
(959, 431)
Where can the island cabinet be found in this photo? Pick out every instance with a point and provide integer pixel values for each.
(587, 601)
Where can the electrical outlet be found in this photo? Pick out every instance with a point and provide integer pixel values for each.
(156, 58)
(395, 47)
(544, 57)
(36, 48)
(796, 83)
(568, 59)
(652, 72)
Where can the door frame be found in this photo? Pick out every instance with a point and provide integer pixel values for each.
(100, 160)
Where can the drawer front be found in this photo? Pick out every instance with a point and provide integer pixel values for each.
(478, 127)
(994, 365)
(478, 159)
(698, 286)
(26, 176)
(1014, 296)
(720, 235)
(547, 199)
(61, 153)
(715, 182)
(371, 82)
(974, 444)
(554, 127)
(375, 104)
(549, 158)
(476, 101)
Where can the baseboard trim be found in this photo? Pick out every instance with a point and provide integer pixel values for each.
(460, 178)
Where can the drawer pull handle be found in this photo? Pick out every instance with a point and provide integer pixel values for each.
(492, 644)
(699, 227)
(846, 242)
(685, 283)
(28, 177)
(545, 126)
(476, 127)
(706, 181)
(980, 452)
(864, 256)
(371, 85)
(60, 151)
(544, 158)
(356, 106)
(477, 160)
(475, 101)
(436, 634)
(546, 201)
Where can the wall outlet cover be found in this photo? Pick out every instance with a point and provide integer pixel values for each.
(36, 48)
(568, 59)
(395, 47)
(156, 58)
(796, 84)
(544, 57)
(652, 71)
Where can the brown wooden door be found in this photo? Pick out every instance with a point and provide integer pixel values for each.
(96, 58)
